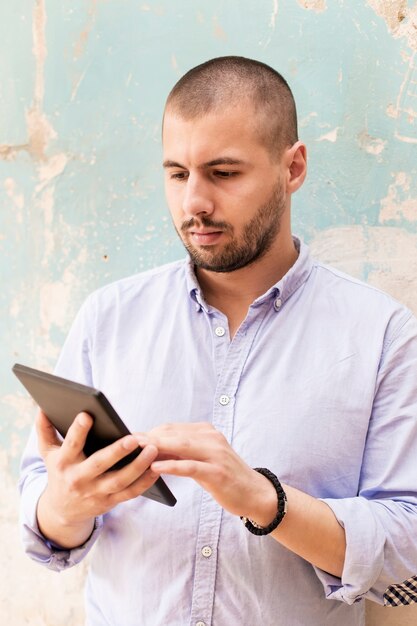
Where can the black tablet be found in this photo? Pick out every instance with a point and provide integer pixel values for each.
(61, 400)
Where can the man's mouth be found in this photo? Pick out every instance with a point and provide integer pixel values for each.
(205, 237)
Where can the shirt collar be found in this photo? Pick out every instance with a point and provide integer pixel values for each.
(193, 288)
(284, 288)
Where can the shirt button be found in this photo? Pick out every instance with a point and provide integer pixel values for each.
(206, 551)
(224, 400)
(200, 624)
(277, 304)
(220, 331)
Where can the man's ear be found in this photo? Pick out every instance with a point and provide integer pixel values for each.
(295, 159)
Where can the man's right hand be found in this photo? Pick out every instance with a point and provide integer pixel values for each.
(80, 488)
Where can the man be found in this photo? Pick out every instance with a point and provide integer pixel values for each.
(247, 355)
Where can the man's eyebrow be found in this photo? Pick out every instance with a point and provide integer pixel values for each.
(223, 161)
(213, 163)
(169, 163)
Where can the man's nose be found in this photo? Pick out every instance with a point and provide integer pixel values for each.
(197, 198)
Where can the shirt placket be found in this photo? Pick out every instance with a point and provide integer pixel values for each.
(229, 360)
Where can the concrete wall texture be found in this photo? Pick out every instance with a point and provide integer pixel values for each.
(82, 88)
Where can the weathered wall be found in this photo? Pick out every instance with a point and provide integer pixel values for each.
(81, 203)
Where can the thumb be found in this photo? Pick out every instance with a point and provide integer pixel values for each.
(47, 435)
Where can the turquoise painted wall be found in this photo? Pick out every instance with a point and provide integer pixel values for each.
(82, 89)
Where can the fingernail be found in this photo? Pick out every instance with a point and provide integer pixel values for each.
(82, 419)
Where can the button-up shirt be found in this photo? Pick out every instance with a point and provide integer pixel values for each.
(319, 384)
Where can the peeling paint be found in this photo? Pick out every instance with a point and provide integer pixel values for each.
(24, 407)
(330, 136)
(405, 108)
(54, 301)
(8, 153)
(39, 49)
(392, 11)
(383, 256)
(16, 197)
(14, 308)
(371, 145)
(274, 14)
(395, 206)
(46, 204)
(405, 139)
(313, 5)
(40, 131)
(40, 134)
(305, 121)
(55, 297)
(392, 111)
(50, 170)
(404, 85)
(81, 43)
(400, 19)
(218, 31)
(77, 83)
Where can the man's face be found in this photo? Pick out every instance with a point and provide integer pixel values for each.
(225, 194)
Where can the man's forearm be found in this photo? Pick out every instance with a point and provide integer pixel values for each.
(310, 529)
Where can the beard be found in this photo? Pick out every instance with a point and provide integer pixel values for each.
(255, 241)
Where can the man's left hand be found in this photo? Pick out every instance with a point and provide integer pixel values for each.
(201, 452)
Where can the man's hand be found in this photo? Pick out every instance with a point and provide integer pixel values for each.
(201, 452)
(79, 488)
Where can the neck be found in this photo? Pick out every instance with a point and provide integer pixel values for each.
(237, 290)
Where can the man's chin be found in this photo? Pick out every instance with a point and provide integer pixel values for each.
(220, 267)
(209, 265)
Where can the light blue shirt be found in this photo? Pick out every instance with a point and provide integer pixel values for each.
(319, 385)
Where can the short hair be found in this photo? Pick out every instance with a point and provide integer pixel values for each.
(226, 81)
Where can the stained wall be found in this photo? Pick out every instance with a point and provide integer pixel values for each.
(82, 89)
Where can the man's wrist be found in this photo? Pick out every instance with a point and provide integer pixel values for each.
(265, 521)
(59, 531)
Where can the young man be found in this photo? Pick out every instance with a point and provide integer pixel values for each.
(249, 354)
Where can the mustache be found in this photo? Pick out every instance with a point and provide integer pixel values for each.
(207, 222)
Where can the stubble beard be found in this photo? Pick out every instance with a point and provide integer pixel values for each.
(256, 240)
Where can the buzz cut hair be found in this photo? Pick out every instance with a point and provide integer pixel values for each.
(224, 82)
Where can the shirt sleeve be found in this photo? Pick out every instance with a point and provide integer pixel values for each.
(75, 364)
(381, 521)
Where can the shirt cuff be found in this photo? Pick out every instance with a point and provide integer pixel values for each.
(364, 560)
(38, 547)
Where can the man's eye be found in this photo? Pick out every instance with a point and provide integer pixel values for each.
(179, 175)
(224, 174)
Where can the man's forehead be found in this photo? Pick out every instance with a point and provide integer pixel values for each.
(236, 115)
(226, 134)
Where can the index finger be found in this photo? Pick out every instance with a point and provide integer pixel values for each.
(105, 458)
(184, 440)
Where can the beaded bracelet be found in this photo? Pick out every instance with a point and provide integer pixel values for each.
(252, 526)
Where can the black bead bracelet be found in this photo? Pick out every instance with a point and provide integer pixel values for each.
(252, 526)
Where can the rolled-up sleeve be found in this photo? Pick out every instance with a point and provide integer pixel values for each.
(380, 522)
